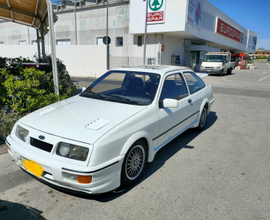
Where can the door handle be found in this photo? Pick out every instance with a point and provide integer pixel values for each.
(189, 101)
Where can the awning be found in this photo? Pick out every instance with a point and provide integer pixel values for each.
(32, 13)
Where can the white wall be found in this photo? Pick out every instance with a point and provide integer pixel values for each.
(87, 60)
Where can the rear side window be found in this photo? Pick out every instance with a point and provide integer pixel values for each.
(194, 82)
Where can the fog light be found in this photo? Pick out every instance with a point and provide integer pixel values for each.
(84, 179)
(70, 177)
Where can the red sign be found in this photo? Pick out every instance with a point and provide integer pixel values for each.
(227, 30)
(155, 16)
(162, 47)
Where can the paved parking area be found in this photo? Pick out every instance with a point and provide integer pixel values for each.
(222, 172)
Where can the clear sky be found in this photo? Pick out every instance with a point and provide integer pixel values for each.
(253, 15)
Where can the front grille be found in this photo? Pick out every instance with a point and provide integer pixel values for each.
(209, 67)
(41, 145)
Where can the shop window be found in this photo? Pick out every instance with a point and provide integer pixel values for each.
(139, 41)
(119, 41)
(22, 42)
(63, 42)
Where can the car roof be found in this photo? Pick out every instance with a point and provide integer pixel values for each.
(159, 69)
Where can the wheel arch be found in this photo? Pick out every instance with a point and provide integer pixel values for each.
(142, 135)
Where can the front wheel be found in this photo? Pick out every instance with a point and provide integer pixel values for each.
(134, 163)
(221, 72)
(203, 119)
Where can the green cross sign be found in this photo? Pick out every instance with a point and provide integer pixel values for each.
(155, 5)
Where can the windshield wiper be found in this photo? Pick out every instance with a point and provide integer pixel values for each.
(119, 98)
(92, 95)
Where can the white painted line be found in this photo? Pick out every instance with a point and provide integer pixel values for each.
(263, 78)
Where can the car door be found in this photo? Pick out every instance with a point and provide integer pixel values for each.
(173, 121)
(195, 86)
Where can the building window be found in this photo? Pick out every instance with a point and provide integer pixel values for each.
(22, 42)
(100, 41)
(63, 42)
(139, 40)
(119, 41)
(34, 42)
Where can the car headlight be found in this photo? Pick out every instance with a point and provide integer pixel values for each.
(72, 151)
(21, 133)
(202, 67)
(218, 67)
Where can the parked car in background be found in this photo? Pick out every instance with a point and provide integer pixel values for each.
(103, 138)
(217, 63)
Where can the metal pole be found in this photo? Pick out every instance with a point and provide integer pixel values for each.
(42, 44)
(75, 18)
(145, 32)
(54, 66)
(107, 45)
(38, 46)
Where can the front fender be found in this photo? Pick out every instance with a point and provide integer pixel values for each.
(139, 135)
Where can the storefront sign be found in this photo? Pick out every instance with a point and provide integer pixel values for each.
(195, 9)
(156, 11)
(228, 31)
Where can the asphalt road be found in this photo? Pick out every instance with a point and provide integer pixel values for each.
(222, 172)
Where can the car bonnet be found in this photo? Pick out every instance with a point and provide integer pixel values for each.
(81, 119)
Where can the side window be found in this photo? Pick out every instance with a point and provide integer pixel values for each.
(194, 82)
(174, 87)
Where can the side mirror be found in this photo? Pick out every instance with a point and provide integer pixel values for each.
(83, 88)
(170, 103)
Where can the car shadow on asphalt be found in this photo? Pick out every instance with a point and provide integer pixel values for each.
(164, 154)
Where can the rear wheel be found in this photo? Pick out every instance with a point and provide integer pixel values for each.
(203, 119)
(134, 163)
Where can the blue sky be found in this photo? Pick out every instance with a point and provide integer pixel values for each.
(253, 15)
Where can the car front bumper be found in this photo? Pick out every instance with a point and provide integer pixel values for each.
(105, 177)
(211, 71)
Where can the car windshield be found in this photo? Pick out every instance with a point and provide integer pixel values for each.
(213, 58)
(129, 87)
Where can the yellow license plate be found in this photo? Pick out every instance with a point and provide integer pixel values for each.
(32, 167)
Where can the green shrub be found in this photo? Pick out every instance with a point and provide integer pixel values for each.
(27, 89)
(7, 121)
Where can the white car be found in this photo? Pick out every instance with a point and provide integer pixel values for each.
(103, 138)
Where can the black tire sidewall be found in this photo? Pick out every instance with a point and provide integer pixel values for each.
(124, 180)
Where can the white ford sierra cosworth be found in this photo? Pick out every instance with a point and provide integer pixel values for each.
(102, 139)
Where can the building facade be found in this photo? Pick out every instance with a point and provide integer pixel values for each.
(185, 28)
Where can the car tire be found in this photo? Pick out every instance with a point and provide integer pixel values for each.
(221, 72)
(203, 119)
(134, 163)
(229, 71)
